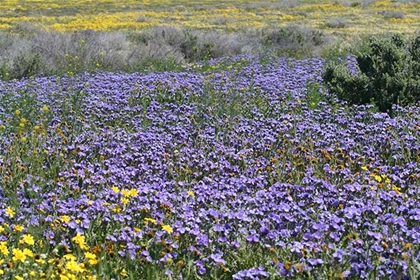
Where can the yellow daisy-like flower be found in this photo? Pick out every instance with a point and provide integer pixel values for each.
(18, 255)
(125, 192)
(168, 229)
(28, 252)
(19, 278)
(10, 212)
(115, 189)
(65, 219)
(19, 228)
(91, 258)
(74, 266)
(3, 248)
(134, 192)
(28, 239)
(125, 200)
(70, 257)
(191, 193)
(147, 220)
(64, 277)
(80, 240)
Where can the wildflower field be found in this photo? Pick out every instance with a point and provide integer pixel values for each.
(342, 16)
(171, 140)
(248, 173)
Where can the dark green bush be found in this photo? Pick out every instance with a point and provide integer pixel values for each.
(387, 73)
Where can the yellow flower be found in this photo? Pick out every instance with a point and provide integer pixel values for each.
(18, 255)
(28, 252)
(65, 219)
(115, 189)
(64, 277)
(364, 168)
(28, 239)
(19, 278)
(125, 200)
(91, 258)
(134, 192)
(167, 228)
(125, 192)
(70, 257)
(191, 193)
(45, 109)
(116, 209)
(3, 248)
(80, 240)
(19, 228)
(153, 221)
(123, 273)
(10, 212)
(74, 267)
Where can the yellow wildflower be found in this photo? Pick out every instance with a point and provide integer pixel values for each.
(18, 255)
(19, 228)
(167, 228)
(125, 192)
(80, 240)
(115, 189)
(116, 209)
(3, 248)
(74, 267)
(65, 219)
(28, 239)
(123, 273)
(153, 221)
(134, 192)
(377, 178)
(125, 200)
(70, 257)
(64, 277)
(28, 252)
(19, 278)
(191, 193)
(10, 212)
(91, 258)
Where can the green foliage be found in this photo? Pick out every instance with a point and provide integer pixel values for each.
(387, 73)
(26, 65)
(293, 40)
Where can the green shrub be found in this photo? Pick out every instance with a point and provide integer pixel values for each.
(387, 73)
(26, 65)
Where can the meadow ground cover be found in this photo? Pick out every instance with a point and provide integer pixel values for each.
(339, 17)
(250, 172)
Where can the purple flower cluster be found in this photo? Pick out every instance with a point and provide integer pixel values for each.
(206, 167)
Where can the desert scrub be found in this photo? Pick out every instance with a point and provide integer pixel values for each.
(386, 72)
(36, 52)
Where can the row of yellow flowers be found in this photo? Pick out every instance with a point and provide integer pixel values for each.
(107, 15)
